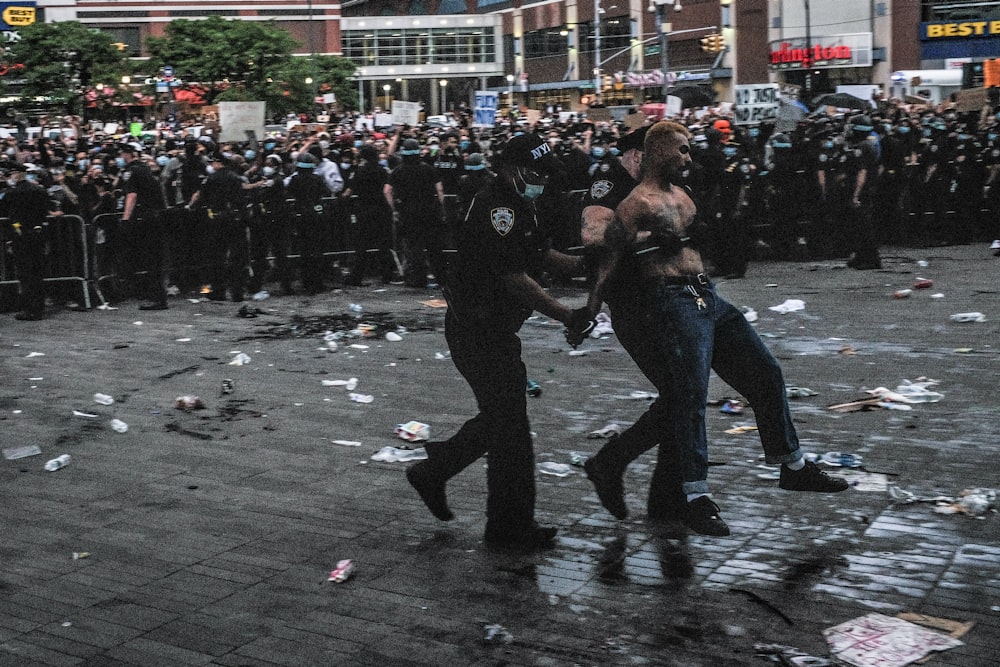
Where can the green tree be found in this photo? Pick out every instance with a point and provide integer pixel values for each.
(62, 60)
(222, 54)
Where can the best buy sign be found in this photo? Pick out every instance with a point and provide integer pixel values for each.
(16, 15)
(959, 29)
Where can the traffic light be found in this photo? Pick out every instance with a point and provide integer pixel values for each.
(605, 82)
(713, 43)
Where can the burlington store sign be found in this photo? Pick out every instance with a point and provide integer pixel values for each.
(851, 50)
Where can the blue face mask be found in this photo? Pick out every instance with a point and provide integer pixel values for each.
(250, 155)
(269, 146)
(827, 144)
(903, 129)
(383, 163)
(754, 132)
(991, 136)
(162, 160)
(729, 152)
(464, 145)
(120, 162)
(597, 152)
(614, 151)
(32, 178)
(358, 144)
(532, 191)
(927, 131)
(84, 164)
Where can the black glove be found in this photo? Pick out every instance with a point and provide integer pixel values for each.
(579, 326)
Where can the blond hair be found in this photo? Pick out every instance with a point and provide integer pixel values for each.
(663, 132)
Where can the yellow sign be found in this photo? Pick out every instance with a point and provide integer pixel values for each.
(963, 29)
(19, 16)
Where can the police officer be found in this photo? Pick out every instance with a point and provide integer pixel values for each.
(417, 195)
(27, 206)
(492, 290)
(142, 220)
(221, 196)
(269, 231)
(861, 169)
(373, 212)
(307, 191)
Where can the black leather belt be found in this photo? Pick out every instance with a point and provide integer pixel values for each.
(700, 279)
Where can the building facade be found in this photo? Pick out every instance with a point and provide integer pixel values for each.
(573, 52)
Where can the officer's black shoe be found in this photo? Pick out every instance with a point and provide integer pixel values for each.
(702, 516)
(431, 490)
(26, 316)
(534, 538)
(810, 478)
(608, 484)
(153, 305)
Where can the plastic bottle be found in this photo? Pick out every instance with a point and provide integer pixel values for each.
(118, 426)
(57, 463)
(968, 317)
(356, 309)
(103, 399)
(533, 389)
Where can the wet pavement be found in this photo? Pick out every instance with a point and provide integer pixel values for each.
(210, 533)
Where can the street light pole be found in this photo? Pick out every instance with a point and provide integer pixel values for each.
(386, 88)
(510, 91)
(597, 51)
(665, 28)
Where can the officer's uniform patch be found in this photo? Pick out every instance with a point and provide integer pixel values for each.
(127, 174)
(600, 189)
(503, 220)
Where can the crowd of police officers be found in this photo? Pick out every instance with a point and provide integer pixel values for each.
(328, 208)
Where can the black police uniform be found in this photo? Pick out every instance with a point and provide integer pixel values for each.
(421, 220)
(307, 191)
(27, 208)
(858, 219)
(225, 221)
(269, 231)
(498, 237)
(374, 223)
(145, 231)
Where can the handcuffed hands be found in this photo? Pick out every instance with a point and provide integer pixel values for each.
(579, 326)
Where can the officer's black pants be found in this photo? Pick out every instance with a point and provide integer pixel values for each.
(490, 362)
(312, 233)
(145, 232)
(374, 241)
(422, 235)
(269, 235)
(228, 254)
(29, 260)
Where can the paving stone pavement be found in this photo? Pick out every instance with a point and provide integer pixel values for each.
(210, 532)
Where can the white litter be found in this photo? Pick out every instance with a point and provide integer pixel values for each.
(790, 305)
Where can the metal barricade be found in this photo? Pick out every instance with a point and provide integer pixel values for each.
(68, 256)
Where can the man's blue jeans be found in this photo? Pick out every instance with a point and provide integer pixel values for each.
(677, 334)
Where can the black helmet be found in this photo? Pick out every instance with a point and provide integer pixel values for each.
(781, 141)
(411, 147)
(861, 123)
(306, 161)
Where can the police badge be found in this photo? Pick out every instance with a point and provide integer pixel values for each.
(600, 189)
(503, 220)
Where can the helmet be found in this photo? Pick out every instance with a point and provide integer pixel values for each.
(861, 123)
(411, 147)
(781, 141)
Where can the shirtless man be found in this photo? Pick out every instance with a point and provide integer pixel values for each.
(678, 329)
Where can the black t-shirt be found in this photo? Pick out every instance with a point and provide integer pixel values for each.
(222, 191)
(367, 183)
(138, 178)
(307, 191)
(27, 203)
(449, 166)
(414, 188)
(498, 237)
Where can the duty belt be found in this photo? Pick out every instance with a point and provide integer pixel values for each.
(699, 279)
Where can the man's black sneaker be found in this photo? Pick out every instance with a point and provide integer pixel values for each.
(702, 516)
(431, 490)
(608, 486)
(533, 539)
(810, 478)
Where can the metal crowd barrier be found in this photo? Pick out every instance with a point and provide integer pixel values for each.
(67, 259)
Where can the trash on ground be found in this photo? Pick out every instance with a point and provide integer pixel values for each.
(799, 392)
(750, 314)
(577, 353)
(34, 354)
(396, 455)
(533, 389)
(13, 453)
(343, 571)
(847, 350)
(189, 402)
(789, 306)
(578, 458)
(606, 431)
(79, 555)
(350, 384)
(442, 355)
(861, 405)
(841, 459)
(393, 337)
(261, 295)
(914, 395)
(347, 443)
(358, 346)
(240, 359)
(902, 293)
(937, 295)
(103, 399)
(968, 317)
(226, 387)
(85, 415)
(494, 634)
(640, 395)
(118, 426)
(876, 640)
(413, 431)
(555, 469)
(58, 463)
(435, 303)
(972, 502)
(956, 629)
(789, 655)
(923, 283)
(603, 327)
(732, 407)
(865, 481)
(739, 430)
(361, 398)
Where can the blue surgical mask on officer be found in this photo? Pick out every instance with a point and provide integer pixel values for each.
(828, 143)
(270, 146)
(162, 160)
(730, 151)
(358, 144)
(250, 154)
(464, 144)
(209, 169)
(754, 131)
(31, 177)
(120, 162)
(992, 136)
(597, 152)
(533, 190)
(903, 129)
(268, 171)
